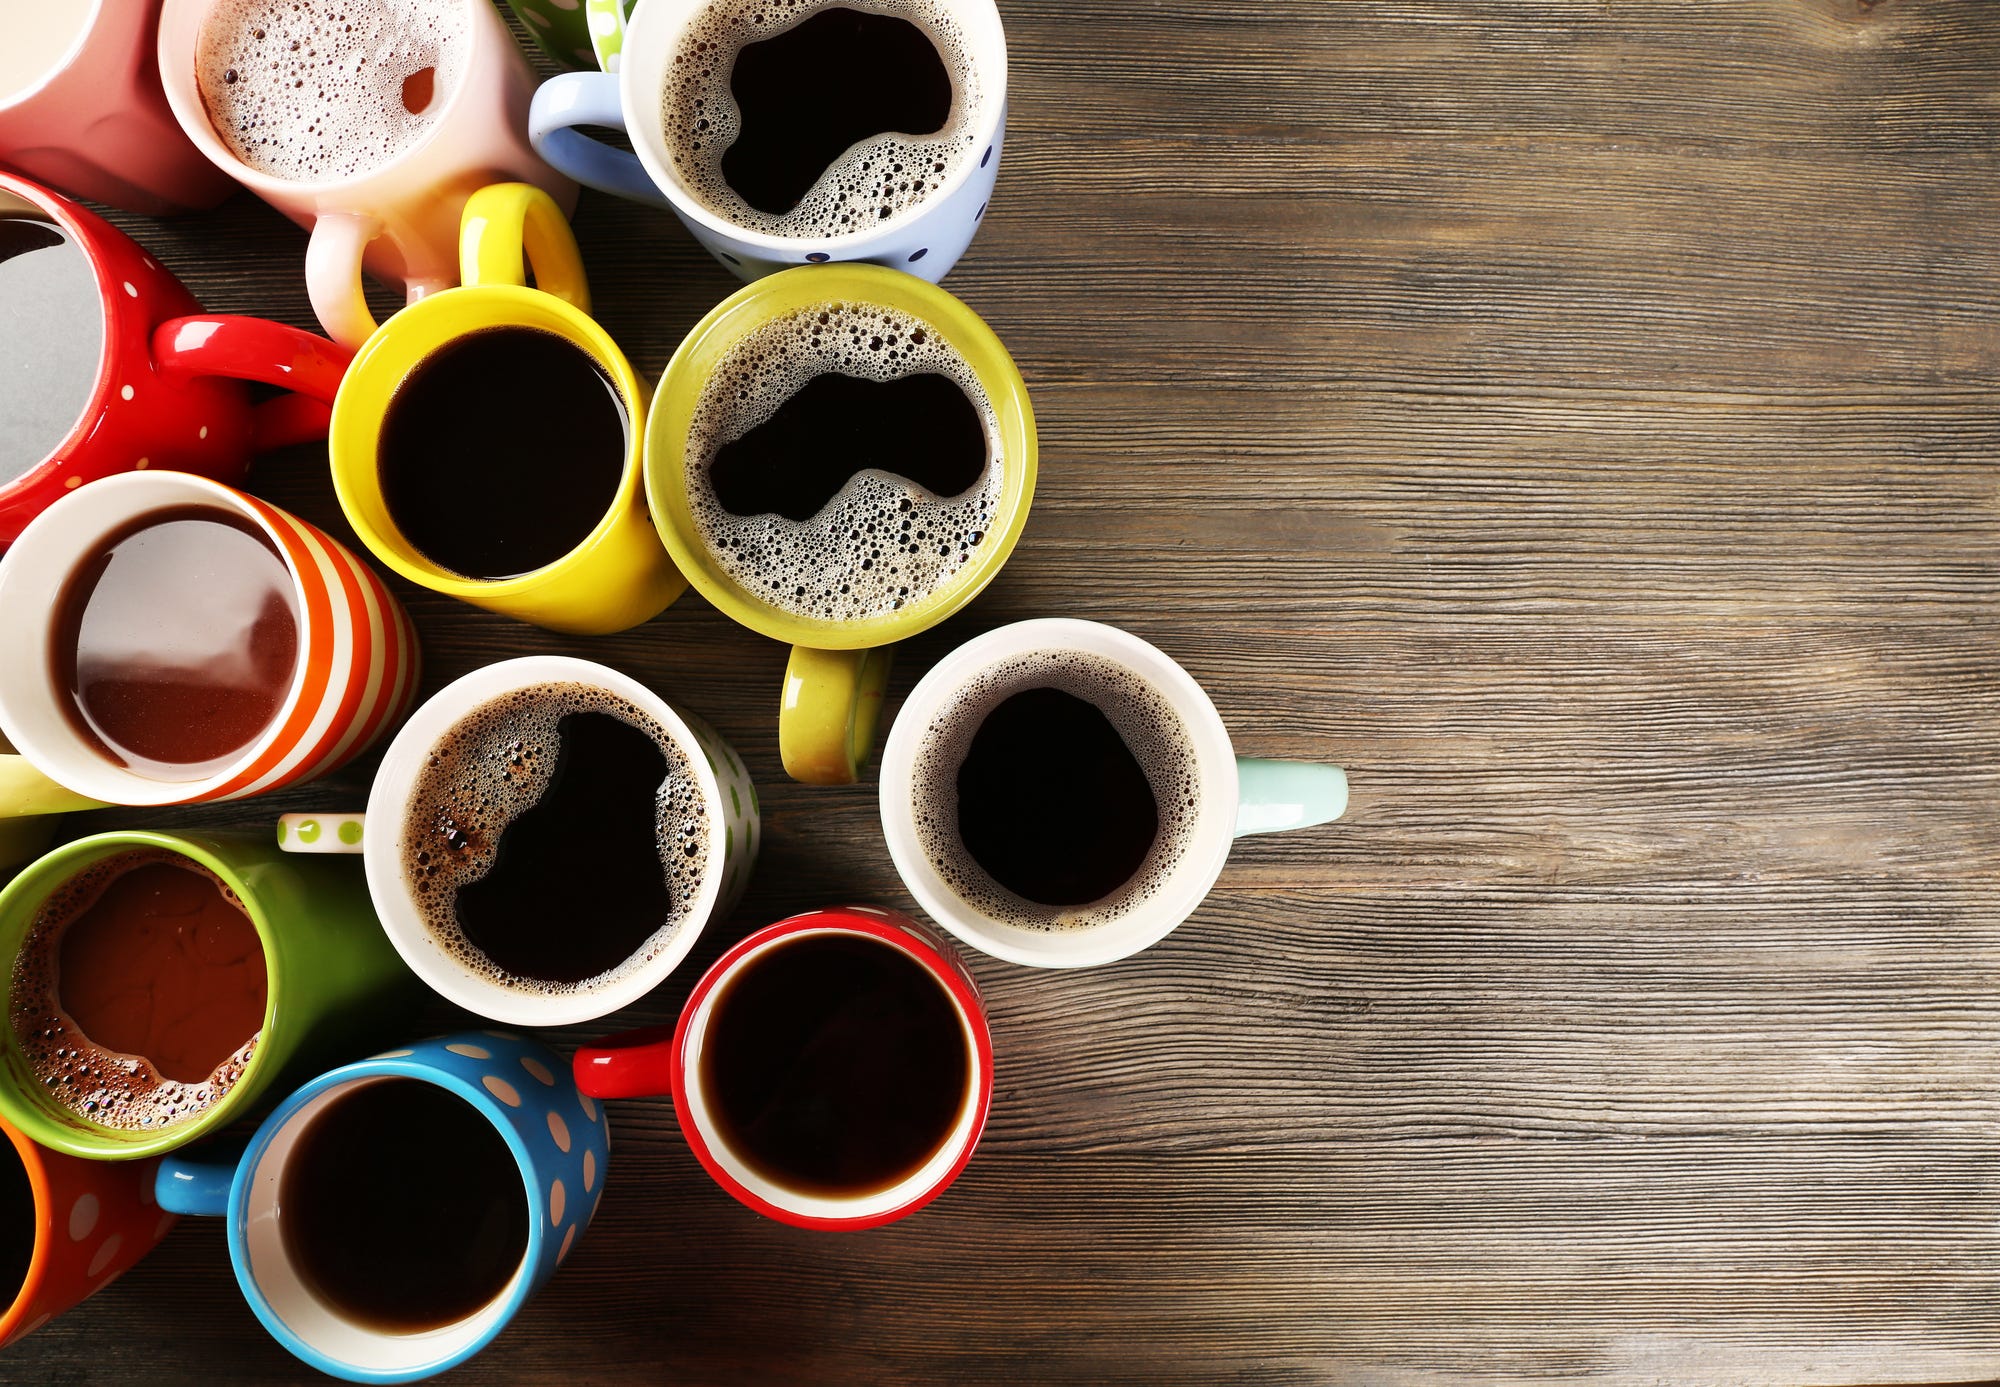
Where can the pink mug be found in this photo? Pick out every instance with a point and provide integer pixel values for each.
(400, 219)
(81, 107)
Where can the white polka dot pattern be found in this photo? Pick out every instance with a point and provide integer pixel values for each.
(82, 1217)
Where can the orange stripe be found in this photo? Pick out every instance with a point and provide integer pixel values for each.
(315, 650)
(357, 675)
(399, 647)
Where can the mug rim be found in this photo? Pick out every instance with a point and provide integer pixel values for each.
(63, 212)
(650, 44)
(896, 932)
(1090, 946)
(22, 97)
(788, 291)
(381, 849)
(404, 1062)
(72, 1133)
(353, 439)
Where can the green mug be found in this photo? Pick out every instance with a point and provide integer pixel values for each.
(334, 986)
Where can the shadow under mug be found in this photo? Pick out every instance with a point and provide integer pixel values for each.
(730, 808)
(558, 1138)
(169, 391)
(332, 983)
(355, 674)
(1234, 796)
(617, 576)
(656, 1060)
(834, 682)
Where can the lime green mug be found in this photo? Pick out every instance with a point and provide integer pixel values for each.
(877, 324)
(333, 983)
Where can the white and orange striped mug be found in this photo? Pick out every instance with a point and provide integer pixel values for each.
(353, 670)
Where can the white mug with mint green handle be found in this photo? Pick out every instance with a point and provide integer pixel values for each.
(728, 797)
(1231, 796)
(925, 240)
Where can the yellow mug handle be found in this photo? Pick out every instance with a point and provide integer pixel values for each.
(510, 228)
(827, 716)
(25, 790)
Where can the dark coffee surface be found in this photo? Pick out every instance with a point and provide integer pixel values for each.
(403, 1208)
(1052, 803)
(834, 1064)
(51, 335)
(576, 885)
(17, 1224)
(177, 638)
(919, 427)
(821, 86)
(501, 451)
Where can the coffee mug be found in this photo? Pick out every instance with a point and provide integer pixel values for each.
(691, 1065)
(332, 982)
(400, 218)
(563, 29)
(925, 237)
(834, 682)
(168, 391)
(616, 576)
(85, 1222)
(720, 820)
(1202, 795)
(81, 108)
(355, 673)
(557, 1140)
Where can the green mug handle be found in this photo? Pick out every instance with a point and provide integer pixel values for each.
(1272, 796)
(827, 714)
(320, 833)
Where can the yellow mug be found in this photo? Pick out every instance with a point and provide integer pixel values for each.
(839, 665)
(618, 575)
(29, 801)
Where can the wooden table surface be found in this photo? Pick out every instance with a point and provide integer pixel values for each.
(1580, 420)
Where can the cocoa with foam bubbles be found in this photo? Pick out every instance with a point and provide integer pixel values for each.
(875, 180)
(320, 90)
(1147, 722)
(883, 542)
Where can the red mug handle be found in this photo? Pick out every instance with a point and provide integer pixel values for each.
(221, 344)
(633, 1064)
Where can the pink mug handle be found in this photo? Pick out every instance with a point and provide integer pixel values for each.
(334, 258)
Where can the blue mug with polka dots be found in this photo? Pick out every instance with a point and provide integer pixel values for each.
(335, 1272)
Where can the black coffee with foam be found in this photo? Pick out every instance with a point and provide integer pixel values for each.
(402, 1208)
(834, 1065)
(502, 451)
(51, 334)
(556, 838)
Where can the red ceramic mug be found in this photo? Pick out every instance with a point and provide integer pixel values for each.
(68, 1227)
(169, 390)
(651, 1061)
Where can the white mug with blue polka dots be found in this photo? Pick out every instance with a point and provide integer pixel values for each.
(557, 1136)
(925, 237)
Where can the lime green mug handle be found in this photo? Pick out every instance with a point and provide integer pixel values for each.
(320, 833)
(827, 715)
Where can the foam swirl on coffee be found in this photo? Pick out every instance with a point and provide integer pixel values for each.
(495, 765)
(1152, 731)
(875, 179)
(883, 542)
(318, 90)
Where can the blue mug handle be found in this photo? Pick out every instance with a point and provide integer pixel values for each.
(588, 98)
(1273, 796)
(199, 1186)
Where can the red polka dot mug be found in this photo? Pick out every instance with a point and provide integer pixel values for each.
(168, 392)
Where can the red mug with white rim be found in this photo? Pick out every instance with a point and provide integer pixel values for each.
(805, 1067)
(169, 388)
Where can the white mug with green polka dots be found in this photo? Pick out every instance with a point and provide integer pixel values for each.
(485, 758)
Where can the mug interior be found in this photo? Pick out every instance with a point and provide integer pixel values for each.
(279, 1292)
(17, 199)
(19, 1170)
(654, 36)
(385, 362)
(789, 292)
(741, 1178)
(33, 576)
(82, 14)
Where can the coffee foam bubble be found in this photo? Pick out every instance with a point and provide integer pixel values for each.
(883, 541)
(873, 180)
(493, 766)
(103, 1086)
(313, 90)
(1152, 731)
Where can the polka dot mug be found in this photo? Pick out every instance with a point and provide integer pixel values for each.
(557, 1137)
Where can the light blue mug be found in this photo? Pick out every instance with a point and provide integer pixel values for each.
(557, 1136)
(924, 237)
